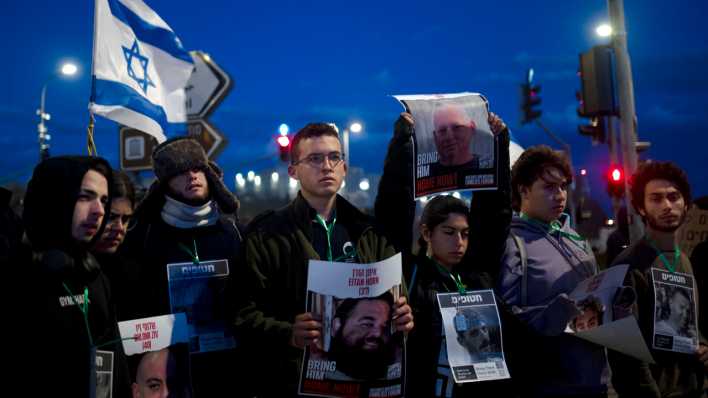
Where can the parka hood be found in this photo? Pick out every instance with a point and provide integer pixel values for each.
(51, 198)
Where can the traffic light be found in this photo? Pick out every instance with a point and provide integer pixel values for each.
(597, 83)
(615, 182)
(284, 147)
(595, 130)
(529, 99)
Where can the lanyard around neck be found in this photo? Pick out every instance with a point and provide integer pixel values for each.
(328, 230)
(83, 307)
(193, 254)
(553, 226)
(671, 267)
(455, 278)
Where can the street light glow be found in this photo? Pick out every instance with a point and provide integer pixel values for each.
(604, 30)
(583, 172)
(69, 69)
(257, 181)
(364, 184)
(292, 183)
(250, 175)
(239, 180)
(275, 176)
(355, 127)
(283, 129)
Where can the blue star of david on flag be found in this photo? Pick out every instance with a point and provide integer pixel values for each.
(134, 52)
(147, 94)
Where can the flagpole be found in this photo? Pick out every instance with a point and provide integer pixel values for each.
(90, 143)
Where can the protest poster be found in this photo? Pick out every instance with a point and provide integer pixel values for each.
(674, 312)
(694, 230)
(104, 374)
(197, 290)
(360, 353)
(473, 336)
(158, 354)
(606, 313)
(454, 145)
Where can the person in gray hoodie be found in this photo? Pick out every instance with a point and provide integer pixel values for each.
(544, 260)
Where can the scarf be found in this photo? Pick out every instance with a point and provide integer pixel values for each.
(180, 215)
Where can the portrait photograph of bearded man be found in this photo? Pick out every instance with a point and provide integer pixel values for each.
(362, 343)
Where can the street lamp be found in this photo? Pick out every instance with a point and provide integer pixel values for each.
(355, 128)
(604, 30)
(43, 137)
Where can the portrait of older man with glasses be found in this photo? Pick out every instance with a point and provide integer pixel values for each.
(454, 131)
(318, 224)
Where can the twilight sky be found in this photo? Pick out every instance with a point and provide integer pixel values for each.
(302, 61)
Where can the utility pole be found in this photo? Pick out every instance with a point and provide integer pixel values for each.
(612, 143)
(43, 136)
(625, 91)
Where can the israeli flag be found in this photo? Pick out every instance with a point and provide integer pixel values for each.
(140, 68)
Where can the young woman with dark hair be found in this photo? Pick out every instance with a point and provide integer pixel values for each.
(460, 248)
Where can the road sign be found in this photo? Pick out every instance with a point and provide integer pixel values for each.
(136, 149)
(207, 86)
(209, 136)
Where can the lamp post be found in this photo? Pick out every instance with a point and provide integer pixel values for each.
(355, 128)
(43, 137)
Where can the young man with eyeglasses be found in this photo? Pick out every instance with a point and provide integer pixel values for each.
(317, 224)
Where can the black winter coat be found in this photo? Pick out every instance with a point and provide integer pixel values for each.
(53, 276)
(490, 215)
(153, 244)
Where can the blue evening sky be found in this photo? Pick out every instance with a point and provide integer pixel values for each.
(302, 61)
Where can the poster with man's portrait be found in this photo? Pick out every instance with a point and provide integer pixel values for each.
(605, 313)
(454, 145)
(197, 290)
(674, 312)
(473, 336)
(360, 353)
(158, 355)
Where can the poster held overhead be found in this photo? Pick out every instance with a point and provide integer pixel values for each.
(454, 145)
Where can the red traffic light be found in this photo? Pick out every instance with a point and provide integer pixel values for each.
(283, 141)
(616, 174)
(615, 182)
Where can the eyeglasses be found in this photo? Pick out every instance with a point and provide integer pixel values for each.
(318, 159)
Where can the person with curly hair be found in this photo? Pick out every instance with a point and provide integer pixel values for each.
(661, 195)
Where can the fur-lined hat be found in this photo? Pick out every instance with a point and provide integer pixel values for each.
(178, 155)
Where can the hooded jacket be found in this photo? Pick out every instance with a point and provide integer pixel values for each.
(556, 265)
(60, 276)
